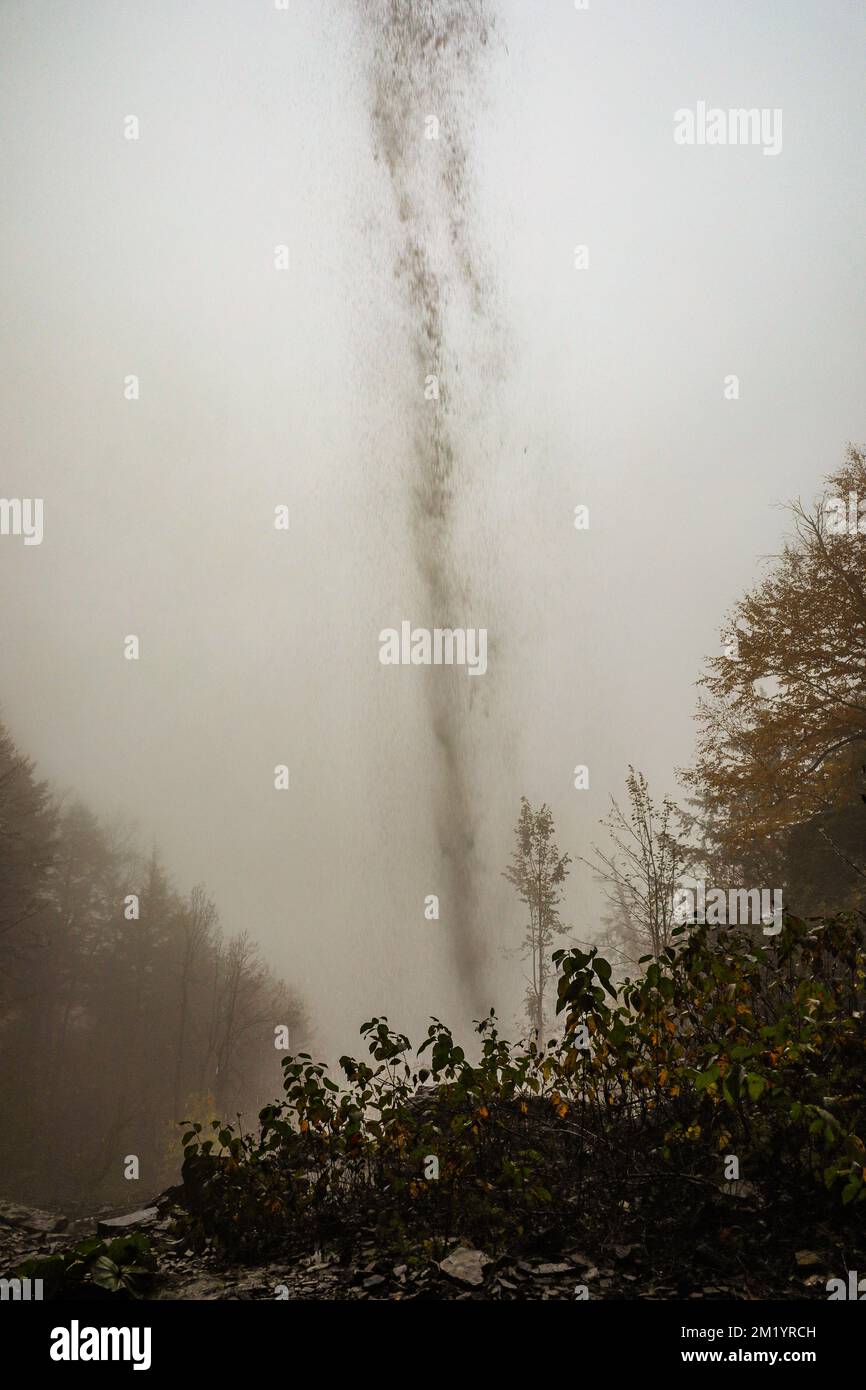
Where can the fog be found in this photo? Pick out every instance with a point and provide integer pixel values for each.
(408, 257)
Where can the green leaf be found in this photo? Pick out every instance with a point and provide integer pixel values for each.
(106, 1274)
(756, 1084)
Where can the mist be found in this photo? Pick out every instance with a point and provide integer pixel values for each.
(407, 258)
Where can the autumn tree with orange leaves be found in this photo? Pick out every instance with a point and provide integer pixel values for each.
(779, 772)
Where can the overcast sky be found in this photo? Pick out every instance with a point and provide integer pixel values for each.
(604, 386)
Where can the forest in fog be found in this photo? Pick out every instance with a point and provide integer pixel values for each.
(124, 1006)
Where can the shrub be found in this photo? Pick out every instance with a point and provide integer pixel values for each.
(725, 1045)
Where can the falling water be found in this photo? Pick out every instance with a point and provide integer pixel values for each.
(424, 68)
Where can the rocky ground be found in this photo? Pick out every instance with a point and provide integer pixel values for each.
(615, 1272)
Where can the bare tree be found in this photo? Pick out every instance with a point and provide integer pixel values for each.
(536, 870)
(642, 870)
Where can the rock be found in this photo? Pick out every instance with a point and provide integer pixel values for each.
(133, 1221)
(204, 1287)
(554, 1269)
(746, 1191)
(318, 1262)
(807, 1259)
(375, 1281)
(31, 1219)
(466, 1266)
